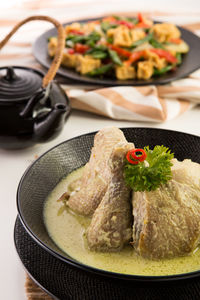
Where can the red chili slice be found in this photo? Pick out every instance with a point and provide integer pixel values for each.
(140, 157)
(133, 162)
(137, 159)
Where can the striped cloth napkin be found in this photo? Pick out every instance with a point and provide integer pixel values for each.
(147, 103)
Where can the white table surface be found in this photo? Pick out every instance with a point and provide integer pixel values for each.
(14, 163)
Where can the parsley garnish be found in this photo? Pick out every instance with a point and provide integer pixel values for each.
(151, 173)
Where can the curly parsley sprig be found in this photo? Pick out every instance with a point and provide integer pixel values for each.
(149, 174)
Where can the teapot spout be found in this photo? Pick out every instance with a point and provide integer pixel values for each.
(49, 126)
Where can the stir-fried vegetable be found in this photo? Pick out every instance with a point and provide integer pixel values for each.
(106, 25)
(115, 58)
(165, 54)
(142, 41)
(98, 54)
(134, 57)
(156, 44)
(91, 38)
(179, 58)
(163, 70)
(101, 70)
(120, 51)
(80, 48)
(123, 47)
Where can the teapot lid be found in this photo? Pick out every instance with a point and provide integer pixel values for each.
(19, 83)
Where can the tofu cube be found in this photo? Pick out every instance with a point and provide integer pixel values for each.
(73, 26)
(145, 69)
(69, 60)
(157, 62)
(125, 72)
(85, 64)
(122, 36)
(137, 34)
(164, 32)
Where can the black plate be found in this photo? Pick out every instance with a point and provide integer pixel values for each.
(191, 62)
(64, 282)
(39, 180)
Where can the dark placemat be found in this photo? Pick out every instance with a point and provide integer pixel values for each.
(66, 282)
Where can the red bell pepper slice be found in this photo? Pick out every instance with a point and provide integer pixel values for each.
(140, 18)
(119, 50)
(142, 25)
(80, 48)
(125, 23)
(165, 54)
(78, 32)
(141, 22)
(134, 57)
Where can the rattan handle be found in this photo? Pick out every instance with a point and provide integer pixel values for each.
(61, 44)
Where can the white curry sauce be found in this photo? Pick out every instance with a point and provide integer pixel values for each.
(68, 230)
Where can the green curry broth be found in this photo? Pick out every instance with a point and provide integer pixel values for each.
(67, 230)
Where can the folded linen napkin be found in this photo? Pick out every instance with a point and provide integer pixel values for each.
(131, 103)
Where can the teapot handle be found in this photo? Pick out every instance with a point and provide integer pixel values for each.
(60, 46)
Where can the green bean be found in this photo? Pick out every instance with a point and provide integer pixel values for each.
(75, 38)
(163, 70)
(98, 48)
(142, 41)
(99, 54)
(179, 58)
(98, 51)
(100, 71)
(110, 40)
(92, 37)
(132, 20)
(114, 56)
(156, 44)
(105, 26)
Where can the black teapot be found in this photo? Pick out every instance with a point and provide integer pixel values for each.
(33, 107)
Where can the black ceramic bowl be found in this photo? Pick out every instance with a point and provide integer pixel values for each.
(43, 175)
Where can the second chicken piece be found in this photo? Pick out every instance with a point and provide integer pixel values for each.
(110, 228)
